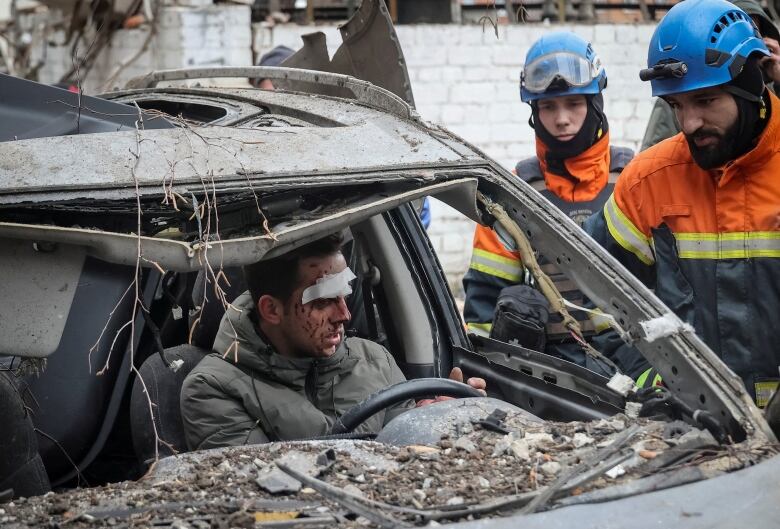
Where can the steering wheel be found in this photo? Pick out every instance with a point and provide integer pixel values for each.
(409, 389)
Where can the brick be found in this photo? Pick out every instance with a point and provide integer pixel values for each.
(644, 32)
(514, 112)
(468, 34)
(625, 34)
(483, 73)
(510, 73)
(456, 243)
(407, 36)
(472, 92)
(430, 93)
(452, 114)
(451, 73)
(643, 109)
(507, 163)
(262, 37)
(635, 129)
(189, 3)
(212, 37)
(522, 150)
(427, 74)
(130, 38)
(505, 92)
(424, 56)
(586, 32)
(495, 150)
(474, 133)
(526, 34)
(615, 130)
(508, 56)
(603, 34)
(429, 111)
(436, 240)
(506, 132)
(620, 109)
(467, 56)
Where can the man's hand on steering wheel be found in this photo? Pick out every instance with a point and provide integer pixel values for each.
(457, 375)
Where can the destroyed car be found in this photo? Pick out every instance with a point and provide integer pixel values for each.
(124, 223)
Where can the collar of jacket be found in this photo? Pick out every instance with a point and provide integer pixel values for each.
(756, 157)
(588, 172)
(238, 337)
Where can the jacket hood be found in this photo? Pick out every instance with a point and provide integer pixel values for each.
(588, 172)
(240, 343)
(765, 147)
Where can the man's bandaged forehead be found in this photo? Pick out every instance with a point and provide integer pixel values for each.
(330, 286)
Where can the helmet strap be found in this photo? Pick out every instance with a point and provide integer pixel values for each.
(741, 92)
(749, 83)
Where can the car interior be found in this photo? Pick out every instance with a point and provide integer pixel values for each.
(390, 304)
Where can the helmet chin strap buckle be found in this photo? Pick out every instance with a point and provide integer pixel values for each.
(667, 70)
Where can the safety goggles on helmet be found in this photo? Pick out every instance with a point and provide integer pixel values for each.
(571, 68)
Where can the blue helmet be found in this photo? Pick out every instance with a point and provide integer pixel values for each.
(561, 63)
(700, 44)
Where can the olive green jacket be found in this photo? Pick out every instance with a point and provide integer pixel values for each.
(255, 395)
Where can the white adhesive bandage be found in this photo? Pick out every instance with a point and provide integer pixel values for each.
(330, 286)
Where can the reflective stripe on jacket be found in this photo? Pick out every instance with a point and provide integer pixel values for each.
(494, 267)
(708, 242)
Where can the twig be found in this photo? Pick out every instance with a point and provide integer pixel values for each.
(79, 476)
(486, 18)
(105, 327)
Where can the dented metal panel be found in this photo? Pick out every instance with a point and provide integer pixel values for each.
(206, 155)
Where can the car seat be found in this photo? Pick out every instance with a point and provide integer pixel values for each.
(163, 386)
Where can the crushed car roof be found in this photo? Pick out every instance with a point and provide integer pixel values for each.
(341, 137)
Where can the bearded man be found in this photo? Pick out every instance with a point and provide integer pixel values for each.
(697, 216)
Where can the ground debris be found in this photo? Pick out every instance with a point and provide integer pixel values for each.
(457, 479)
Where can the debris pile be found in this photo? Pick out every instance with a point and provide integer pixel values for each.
(479, 472)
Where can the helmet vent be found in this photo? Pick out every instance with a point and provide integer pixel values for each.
(724, 22)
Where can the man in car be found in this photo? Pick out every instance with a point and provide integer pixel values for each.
(662, 124)
(697, 216)
(282, 368)
(575, 167)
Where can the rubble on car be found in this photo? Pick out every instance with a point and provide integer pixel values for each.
(479, 471)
